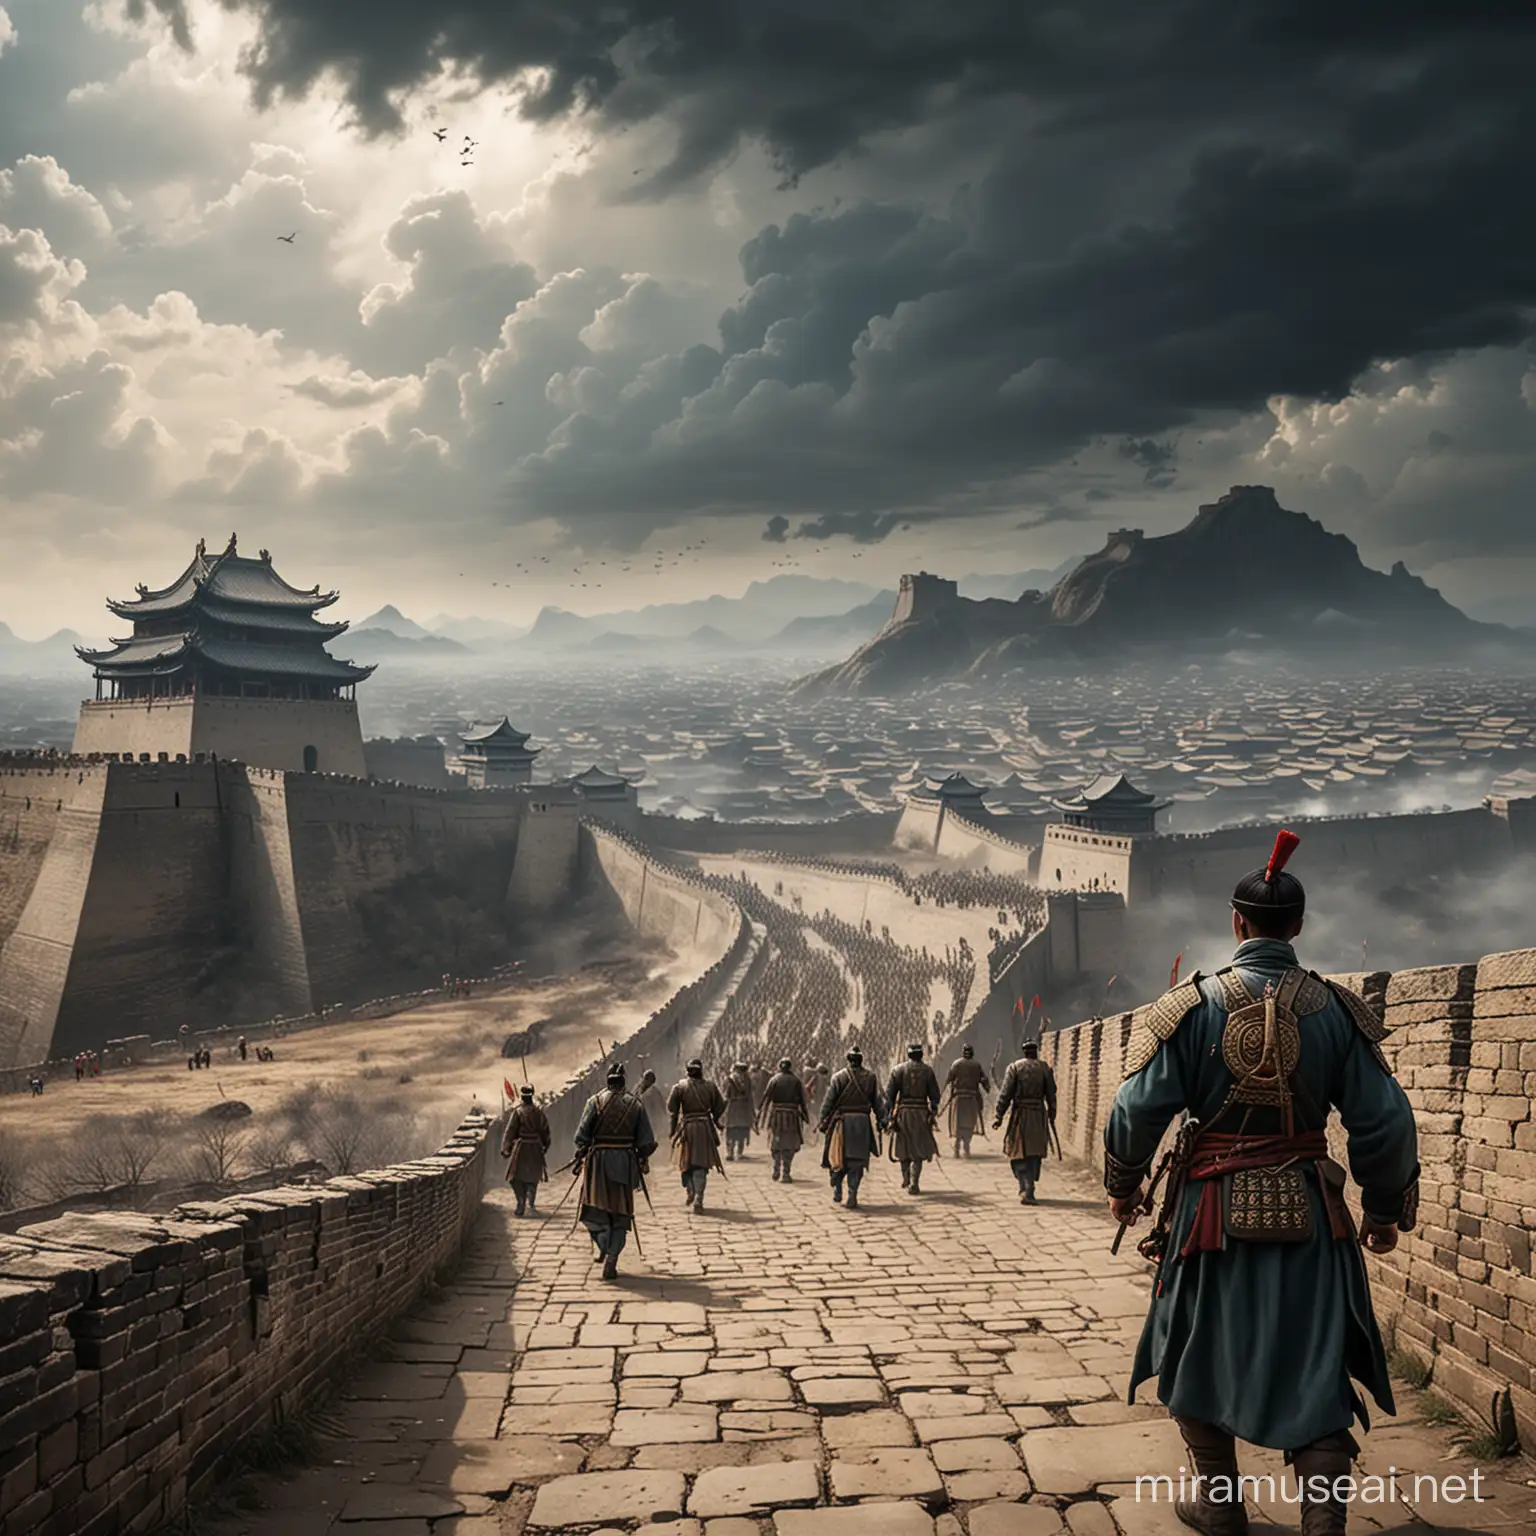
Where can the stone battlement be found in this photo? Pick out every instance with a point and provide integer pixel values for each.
(144, 1348)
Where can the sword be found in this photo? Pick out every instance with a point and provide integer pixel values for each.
(1051, 1125)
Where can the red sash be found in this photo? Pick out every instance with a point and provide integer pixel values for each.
(1217, 1153)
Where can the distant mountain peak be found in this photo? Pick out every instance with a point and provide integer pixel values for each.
(1243, 565)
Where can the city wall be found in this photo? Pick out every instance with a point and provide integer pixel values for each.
(137, 897)
(860, 832)
(690, 917)
(141, 1349)
(1460, 1291)
(1387, 848)
(983, 847)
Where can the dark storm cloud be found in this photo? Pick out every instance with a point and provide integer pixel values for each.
(813, 78)
(860, 527)
(776, 530)
(1195, 207)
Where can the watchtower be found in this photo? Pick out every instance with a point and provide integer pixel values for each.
(228, 661)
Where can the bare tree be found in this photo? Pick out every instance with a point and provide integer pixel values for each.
(124, 1152)
(338, 1131)
(269, 1150)
(217, 1149)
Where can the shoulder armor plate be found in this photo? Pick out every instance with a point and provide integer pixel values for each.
(1365, 1019)
(1159, 1022)
(1311, 995)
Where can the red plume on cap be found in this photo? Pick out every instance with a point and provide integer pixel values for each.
(1286, 844)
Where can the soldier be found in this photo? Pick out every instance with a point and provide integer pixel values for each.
(853, 1096)
(912, 1100)
(1262, 1309)
(1028, 1098)
(696, 1108)
(614, 1143)
(759, 1080)
(740, 1107)
(784, 1108)
(813, 1082)
(524, 1143)
(652, 1097)
(967, 1084)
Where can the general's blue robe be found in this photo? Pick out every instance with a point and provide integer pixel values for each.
(1262, 1339)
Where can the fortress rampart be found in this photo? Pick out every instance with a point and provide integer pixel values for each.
(1460, 1291)
(1387, 848)
(141, 1349)
(136, 897)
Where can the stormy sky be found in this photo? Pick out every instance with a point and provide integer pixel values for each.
(713, 289)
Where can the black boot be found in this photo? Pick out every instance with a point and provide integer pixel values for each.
(611, 1267)
(906, 1175)
(917, 1173)
(1322, 1463)
(1217, 1510)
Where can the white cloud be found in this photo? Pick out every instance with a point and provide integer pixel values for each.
(7, 31)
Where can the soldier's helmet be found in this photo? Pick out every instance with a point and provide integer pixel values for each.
(786, 1065)
(967, 1051)
(695, 1068)
(740, 1066)
(855, 1057)
(616, 1075)
(526, 1091)
(915, 1052)
(1031, 1047)
(1270, 898)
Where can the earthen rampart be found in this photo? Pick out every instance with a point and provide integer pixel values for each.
(1460, 1291)
(142, 1349)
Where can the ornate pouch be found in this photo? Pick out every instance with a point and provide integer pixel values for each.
(1267, 1205)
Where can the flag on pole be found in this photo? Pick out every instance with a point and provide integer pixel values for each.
(1173, 975)
(507, 1089)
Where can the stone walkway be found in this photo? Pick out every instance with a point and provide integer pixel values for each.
(945, 1365)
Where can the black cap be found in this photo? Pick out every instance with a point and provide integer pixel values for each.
(695, 1068)
(1270, 897)
(1031, 1047)
(855, 1055)
(915, 1051)
(526, 1090)
(967, 1050)
(616, 1074)
(786, 1065)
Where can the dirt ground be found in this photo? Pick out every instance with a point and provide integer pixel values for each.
(451, 1051)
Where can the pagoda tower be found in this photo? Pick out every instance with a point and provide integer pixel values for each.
(497, 755)
(227, 661)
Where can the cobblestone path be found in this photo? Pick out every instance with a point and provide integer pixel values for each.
(926, 1366)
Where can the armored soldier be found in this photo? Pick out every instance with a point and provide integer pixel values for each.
(912, 1097)
(813, 1082)
(1028, 1098)
(740, 1109)
(758, 1077)
(785, 1110)
(1262, 1310)
(853, 1101)
(614, 1143)
(696, 1108)
(967, 1085)
(523, 1144)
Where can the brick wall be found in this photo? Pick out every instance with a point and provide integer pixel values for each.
(136, 1350)
(1459, 1292)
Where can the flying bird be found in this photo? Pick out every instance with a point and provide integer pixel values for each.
(289, 239)
(440, 134)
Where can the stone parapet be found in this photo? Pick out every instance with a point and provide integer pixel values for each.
(137, 1350)
(1459, 1292)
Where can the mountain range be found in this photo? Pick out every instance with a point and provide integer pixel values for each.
(1243, 573)
(788, 614)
